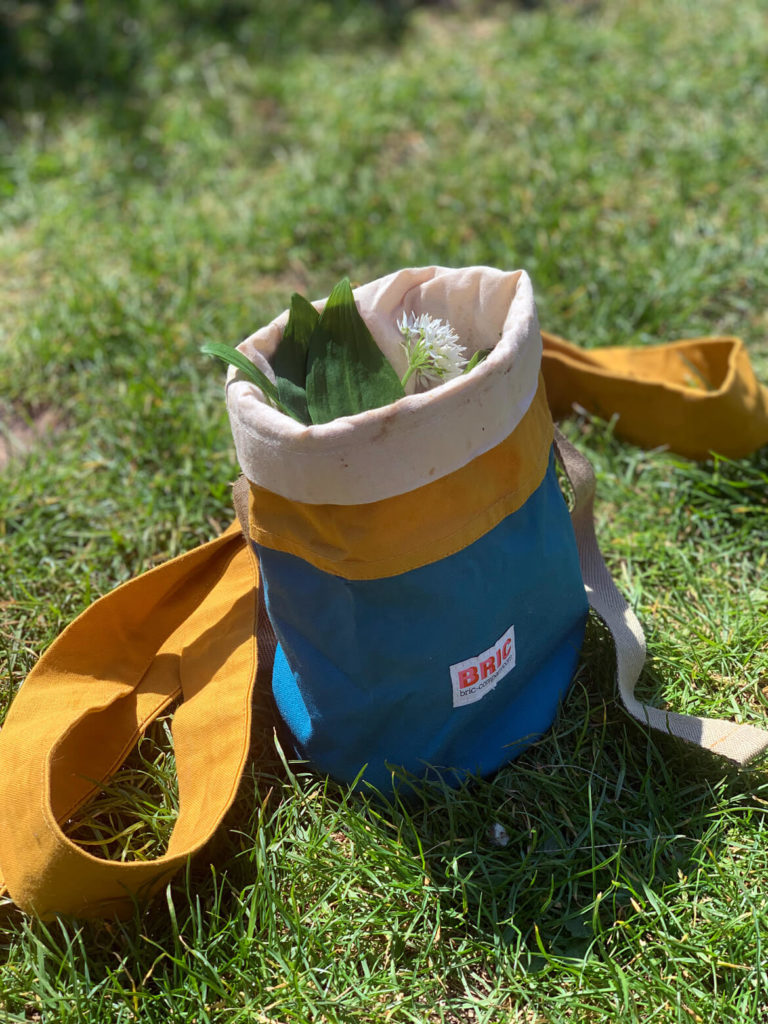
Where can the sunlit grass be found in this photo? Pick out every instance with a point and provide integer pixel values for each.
(618, 156)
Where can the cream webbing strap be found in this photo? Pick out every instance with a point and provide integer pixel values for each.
(739, 743)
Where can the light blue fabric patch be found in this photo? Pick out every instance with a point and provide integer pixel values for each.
(362, 675)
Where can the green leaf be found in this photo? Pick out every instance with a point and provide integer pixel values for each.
(347, 372)
(290, 359)
(231, 356)
(476, 359)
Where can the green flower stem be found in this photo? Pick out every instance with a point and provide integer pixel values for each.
(408, 374)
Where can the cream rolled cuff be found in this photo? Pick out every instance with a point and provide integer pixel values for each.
(387, 451)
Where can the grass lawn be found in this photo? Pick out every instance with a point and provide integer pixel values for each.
(169, 178)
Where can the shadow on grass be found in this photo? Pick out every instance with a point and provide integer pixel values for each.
(55, 53)
(544, 865)
(551, 857)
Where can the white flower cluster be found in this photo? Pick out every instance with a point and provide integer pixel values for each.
(433, 350)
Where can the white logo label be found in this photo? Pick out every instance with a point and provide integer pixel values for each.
(474, 678)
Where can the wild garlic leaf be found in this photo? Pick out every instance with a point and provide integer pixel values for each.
(476, 359)
(290, 359)
(230, 355)
(347, 372)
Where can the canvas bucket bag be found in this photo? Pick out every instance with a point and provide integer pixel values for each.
(407, 583)
(419, 564)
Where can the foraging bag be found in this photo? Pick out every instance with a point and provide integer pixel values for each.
(419, 564)
(420, 571)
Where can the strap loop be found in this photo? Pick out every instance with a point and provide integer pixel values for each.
(188, 627)
(739, 743)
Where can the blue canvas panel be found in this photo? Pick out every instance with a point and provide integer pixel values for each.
(458, 665)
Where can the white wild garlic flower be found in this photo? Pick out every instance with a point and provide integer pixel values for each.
(433, 350)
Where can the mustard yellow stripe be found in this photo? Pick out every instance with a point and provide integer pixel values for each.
(385, 538)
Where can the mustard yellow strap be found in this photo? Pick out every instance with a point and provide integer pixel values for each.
(739, 743)
(187, 628)
(696, 396)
